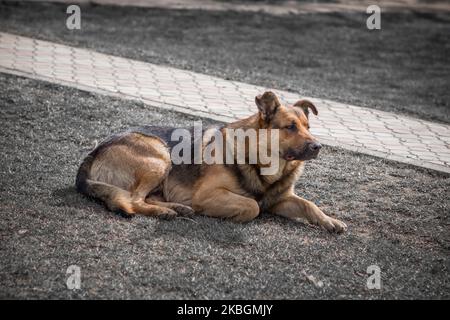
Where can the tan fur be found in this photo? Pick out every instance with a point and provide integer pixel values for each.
(134, 174)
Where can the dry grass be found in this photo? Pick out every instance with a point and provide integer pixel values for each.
(397, 216)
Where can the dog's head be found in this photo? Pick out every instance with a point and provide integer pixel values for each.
(296, 142)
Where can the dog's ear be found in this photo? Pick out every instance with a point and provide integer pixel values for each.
(306, 105)
(268, 105)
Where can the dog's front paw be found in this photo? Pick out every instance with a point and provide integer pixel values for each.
(333, 225)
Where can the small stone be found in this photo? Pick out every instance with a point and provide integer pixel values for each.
(313, 280)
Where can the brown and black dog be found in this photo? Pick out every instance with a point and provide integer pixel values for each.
(132, 172)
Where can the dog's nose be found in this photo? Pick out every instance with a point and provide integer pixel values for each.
(314, 146)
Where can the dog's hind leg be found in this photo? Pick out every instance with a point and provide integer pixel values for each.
(178, 207)
(115, 198)
(149, 179)
(221, 203)
(120, 200)
(125, 172)
(142, 207)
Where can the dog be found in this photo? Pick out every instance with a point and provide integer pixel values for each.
(132, 172)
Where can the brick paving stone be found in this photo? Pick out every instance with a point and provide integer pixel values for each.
(354, 128)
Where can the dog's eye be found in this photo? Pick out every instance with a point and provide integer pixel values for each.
(292, 127)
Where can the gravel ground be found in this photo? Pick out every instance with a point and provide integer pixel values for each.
(398, 218)
(401, 68)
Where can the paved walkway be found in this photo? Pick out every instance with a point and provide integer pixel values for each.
(281, 8)
(369, 131)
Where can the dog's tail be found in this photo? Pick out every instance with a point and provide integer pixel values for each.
(82, 178)
(114, 197)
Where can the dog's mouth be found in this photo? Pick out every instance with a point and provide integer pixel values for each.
(289, 157)
(302, 155)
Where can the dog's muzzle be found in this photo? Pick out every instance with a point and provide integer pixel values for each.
(310, 151)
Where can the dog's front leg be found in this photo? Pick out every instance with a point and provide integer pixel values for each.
(292, 206)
